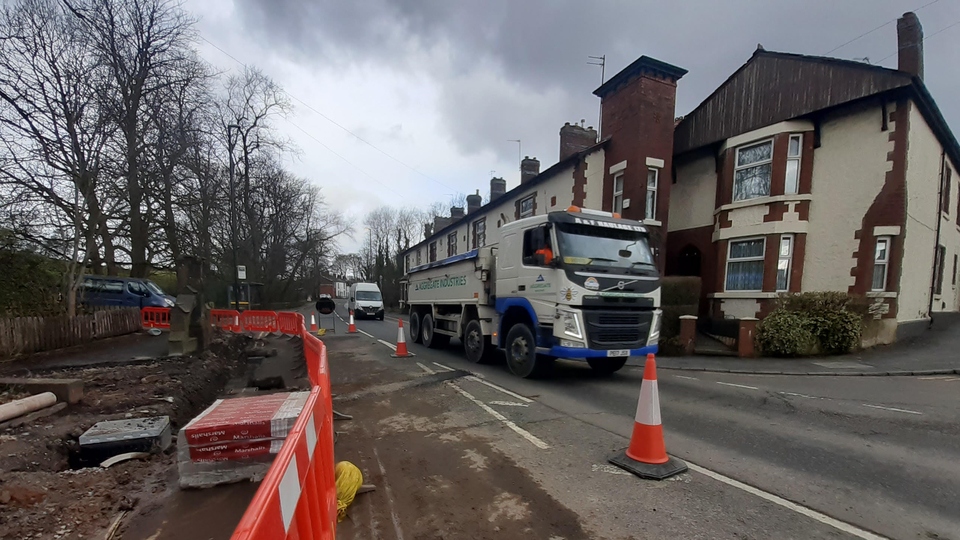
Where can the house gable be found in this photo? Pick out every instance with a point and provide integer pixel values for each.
(772, 87)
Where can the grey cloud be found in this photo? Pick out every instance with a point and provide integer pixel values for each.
(538, 50)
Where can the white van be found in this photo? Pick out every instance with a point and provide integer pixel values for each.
(366, 301)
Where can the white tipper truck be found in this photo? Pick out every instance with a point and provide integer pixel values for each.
(576, 284)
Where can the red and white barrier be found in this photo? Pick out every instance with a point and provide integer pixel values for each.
(155, 317)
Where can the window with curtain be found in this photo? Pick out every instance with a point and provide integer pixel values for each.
(451, 244)
(479, 233)
(881, 260)
(745, 265)
(526, 206)
(751, 176)
(791, 184)
(618, 193)
(433, 251)
(653, 176)
(783, 262)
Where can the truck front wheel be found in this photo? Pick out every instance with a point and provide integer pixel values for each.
(415, 322)
(475, 344)
(521, 352)
(606, 366)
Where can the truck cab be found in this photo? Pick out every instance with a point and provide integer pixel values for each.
(577, 284)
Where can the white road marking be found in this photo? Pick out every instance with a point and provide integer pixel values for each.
(790, 505)
(386, 486)
(894, 409)
(425, 368)
(388, 344)
(686, 377)
(799, 395)
(500, 388)
(519, 430)
(509, 404)
(366, 334)
(738, 385)
(609, 469)
(447, 368)
(939, 378)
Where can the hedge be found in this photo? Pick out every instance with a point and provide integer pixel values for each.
(805, 324)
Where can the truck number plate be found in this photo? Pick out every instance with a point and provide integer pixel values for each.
(618, 353)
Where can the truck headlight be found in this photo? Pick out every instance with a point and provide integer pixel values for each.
(571, 324)
(654, 328)
(572, 344)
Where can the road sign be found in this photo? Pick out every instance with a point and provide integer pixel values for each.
(241, 272)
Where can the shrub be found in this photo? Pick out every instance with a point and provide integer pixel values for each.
(832, 320)
(786, 333)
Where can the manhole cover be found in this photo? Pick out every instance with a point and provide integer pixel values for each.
(843, 365)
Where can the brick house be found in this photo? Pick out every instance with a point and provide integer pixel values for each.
(804, 173)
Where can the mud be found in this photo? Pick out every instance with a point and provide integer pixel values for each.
(434, 480)
(42, 497)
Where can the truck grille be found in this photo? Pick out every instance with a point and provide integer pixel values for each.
(617, 329)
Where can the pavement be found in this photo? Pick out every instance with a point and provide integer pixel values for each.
(771, 455)
(129, 348)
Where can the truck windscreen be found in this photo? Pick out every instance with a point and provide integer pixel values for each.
(586, 245)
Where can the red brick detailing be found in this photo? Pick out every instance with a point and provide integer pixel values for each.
(725, 164)
(700, 238)
(748, 330)
(721, 265)
(888, 208)
(580, 183)
(803, 210)
(770, 257)
(638, 119)
(688, 335)
(778, 170)
(767, 305)
(553, 200)
(806, 164)
(723, 218)
(775, 211)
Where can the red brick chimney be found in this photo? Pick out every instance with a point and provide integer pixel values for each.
(574, 138)
(529, 169)
(910, 44)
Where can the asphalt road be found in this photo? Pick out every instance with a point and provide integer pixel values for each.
(879, 453)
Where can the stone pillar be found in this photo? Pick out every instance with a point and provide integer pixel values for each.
(748, 331)
(188, 322)
(688, 333)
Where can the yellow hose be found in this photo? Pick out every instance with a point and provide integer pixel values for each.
(348, 479)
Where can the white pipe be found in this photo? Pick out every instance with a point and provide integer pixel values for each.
(26, 405)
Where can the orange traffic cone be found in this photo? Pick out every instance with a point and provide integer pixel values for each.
(352, 326)
(401, 343)
(647, 456)
(313, 322)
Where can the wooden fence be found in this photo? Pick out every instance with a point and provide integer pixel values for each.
(25, 335)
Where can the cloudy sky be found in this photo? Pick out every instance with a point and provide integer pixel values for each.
(407, 102)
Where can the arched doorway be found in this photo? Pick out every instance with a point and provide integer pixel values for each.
(688, 263)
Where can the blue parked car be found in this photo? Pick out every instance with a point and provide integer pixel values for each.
(120, 291)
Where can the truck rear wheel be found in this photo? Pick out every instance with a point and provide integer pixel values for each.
(476, 345)
(522, 356)
(606, 366)
(415, 320)
(432, 339)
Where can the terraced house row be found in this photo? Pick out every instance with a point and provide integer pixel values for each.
(798, 173)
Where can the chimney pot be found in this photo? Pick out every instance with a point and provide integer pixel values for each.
(498, 186)
(910, 44)
(456, 212)
(474, 202)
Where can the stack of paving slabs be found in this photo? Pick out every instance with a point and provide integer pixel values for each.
(236, 439)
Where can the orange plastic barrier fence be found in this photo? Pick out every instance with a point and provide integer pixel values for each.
(298, 496)
(258, 321)
(289, 323)
(155, 317)
(226, 319)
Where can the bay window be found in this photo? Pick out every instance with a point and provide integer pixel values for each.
(751, 175)
(745, 265)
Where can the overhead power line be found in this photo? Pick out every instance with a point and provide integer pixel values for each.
(925, 38)
(868, 32)
(337, 124)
